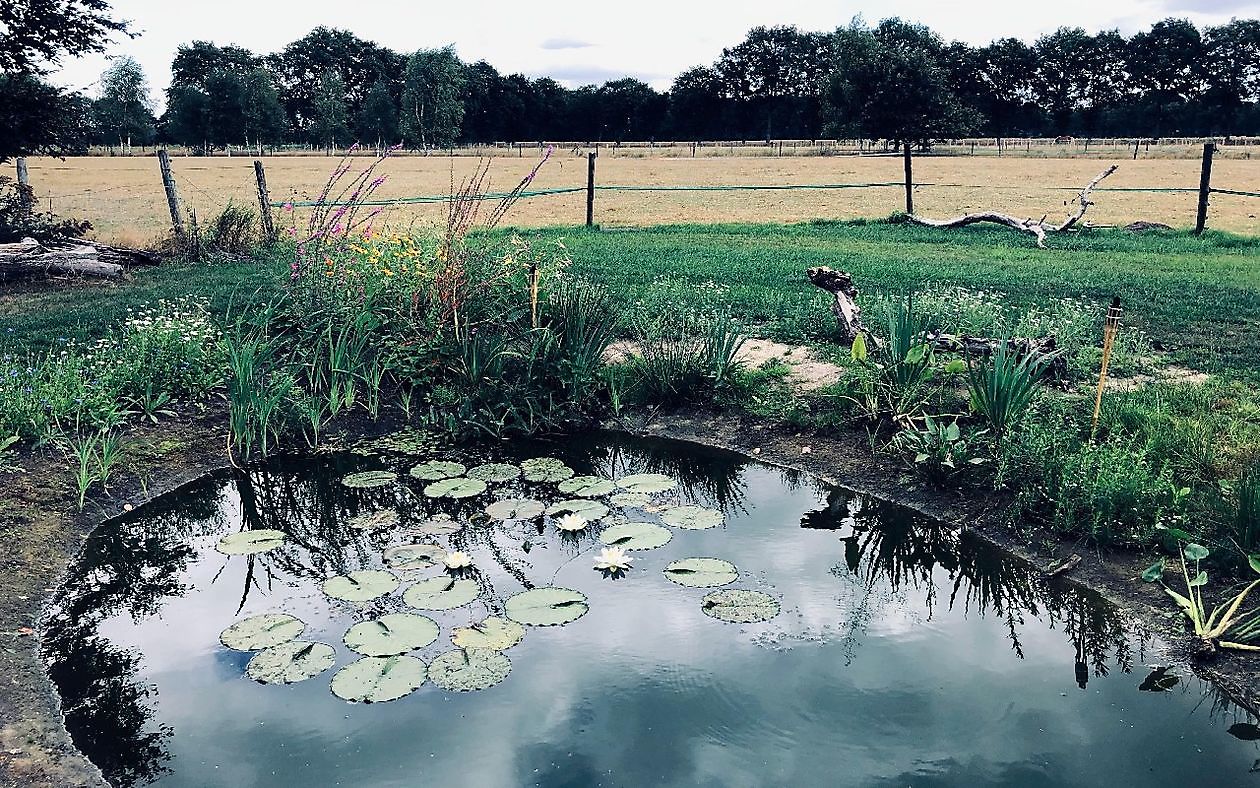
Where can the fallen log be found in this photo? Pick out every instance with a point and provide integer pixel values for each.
(1035, 227)
(983, 347)
(29, 257)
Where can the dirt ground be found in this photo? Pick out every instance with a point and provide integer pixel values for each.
(123, 197)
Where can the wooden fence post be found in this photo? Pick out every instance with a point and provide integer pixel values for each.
(590, 190)
(25, 195)
(264, 203)
(909, 181)
(1205, 187)
(172, 195)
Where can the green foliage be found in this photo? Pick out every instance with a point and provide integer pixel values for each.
(940, 451)
(19, 218)
(1002, 387)
(1246, 525)
(432, 109)
(1227, 620)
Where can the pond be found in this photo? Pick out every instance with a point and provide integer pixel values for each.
(879, 647)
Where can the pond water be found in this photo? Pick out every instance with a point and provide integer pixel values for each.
(900, 654)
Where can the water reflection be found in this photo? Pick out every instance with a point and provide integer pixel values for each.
(889, 565)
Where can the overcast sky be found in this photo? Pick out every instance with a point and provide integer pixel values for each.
(585, 42)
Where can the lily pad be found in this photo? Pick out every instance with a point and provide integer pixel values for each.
(362, 586)
(630, 500)
(414, 556)
(701, 572)
(259, 632)
(545, 469)
(493, 633)
(460, 487)
(259, 540)
(436, 470)
(366, 479)
(379, 679)
(374, 521)
(586, 486)
(646, 483)
(584, 507)
(438, 526)
(495, 472)
(441, 593)
(546, 607)
(468, 670)
(289, 663)
(636, 536)
(692, 518)
(740, 607)
(395, 633)
(515, 509)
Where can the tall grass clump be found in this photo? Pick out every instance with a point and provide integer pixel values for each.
(1002, 387)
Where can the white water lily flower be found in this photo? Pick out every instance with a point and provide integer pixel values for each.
(572, 523)
(612, 559)
(457, 560)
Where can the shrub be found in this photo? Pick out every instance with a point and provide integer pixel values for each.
(1002, 387)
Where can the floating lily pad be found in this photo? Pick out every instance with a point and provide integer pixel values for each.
(515, 509)
(414, 556)
(545, 469)
(395, 633)
(259, 632)
(260, 540)
(646, 483)
(468, 670)
(495, 472)
(586, 486)
(584, 507)
(291, 662)
(362, 586)
(692, 518)
(635, 536)
(374, 521)
(436, 470)
(379, 679)
(441, 593)
(493, 633)
(701, 572)
(460, 487)
(740, 607)
(438, 526)
(630, 500)
(365, 479)
(546, 607)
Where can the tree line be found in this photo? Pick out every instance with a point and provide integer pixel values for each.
(894, 80)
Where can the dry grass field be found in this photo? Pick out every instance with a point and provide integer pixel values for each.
(123, 197)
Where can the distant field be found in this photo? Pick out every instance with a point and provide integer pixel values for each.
(123, 198)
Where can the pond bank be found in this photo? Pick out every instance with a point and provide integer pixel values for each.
(42, 533)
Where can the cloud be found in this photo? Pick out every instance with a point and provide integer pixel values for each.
(565, 43)
(1208, 6)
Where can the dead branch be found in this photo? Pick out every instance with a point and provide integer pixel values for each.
(844, 307)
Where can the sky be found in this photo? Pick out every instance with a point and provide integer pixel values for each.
(582, 42)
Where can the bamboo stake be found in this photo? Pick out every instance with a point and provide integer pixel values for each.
(1109, 340)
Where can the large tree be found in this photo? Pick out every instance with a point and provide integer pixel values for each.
(432, 110)
(330, 114)
(124, 111)
(378, 118)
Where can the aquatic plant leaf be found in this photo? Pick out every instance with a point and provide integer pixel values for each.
(636, 536)
(701, 572)
(492, 632)
(692, 518)
(1199, 580)
(515, 509)
(586, 486)
(545, 469)
(438, 526)
(583, 507)
(289, 663)
(436, 470)
(460, 487)
(395, 633)
(1154, 572)
(362, 586)
(1254, 561)
(366, 479)
(468, 670)
(379, 679)
(441, 593)
(546, 607)
(495, 472)
(374, 521)
(646, 483)
(630, 500)
(740, 607)
(414, 556)
(1245, 731)
(259, 540)
(1196, 552)
(259, 632)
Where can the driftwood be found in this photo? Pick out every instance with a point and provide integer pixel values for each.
(844, 307)
(1036, 227)
(983, 347)
(29, 257)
